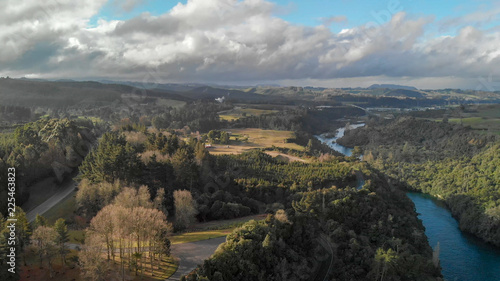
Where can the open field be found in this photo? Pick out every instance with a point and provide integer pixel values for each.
(485, 118)
(239, 112)
(198, 236)
(491, 125)
(477, 123)
(212, 229)
(242, 140)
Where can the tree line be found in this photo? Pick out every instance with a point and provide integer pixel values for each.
(445, 160)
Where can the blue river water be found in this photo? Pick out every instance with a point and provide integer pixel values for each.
(332, 141)
(463, 257)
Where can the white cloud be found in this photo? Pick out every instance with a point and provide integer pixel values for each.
(230, 40)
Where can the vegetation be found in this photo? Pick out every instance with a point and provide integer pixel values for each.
(45, 148)
(379, 239)
(445, 160)
(144, 172)
(185, 208)
(133, 234)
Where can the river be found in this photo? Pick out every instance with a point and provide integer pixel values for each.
(332, 142)
(463, 257)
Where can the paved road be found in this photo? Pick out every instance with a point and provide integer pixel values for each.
(192, 254)
(64, 190)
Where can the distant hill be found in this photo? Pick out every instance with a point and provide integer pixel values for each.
(53, 94)
(208, 92)
(267, 85)
(285, 92)
(391, 86)
(173, 87)
(404, 93)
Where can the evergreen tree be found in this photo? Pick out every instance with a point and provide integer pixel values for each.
(23, 232)
(62, 237)
(40, 221)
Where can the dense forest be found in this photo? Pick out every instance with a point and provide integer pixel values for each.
(338, 233)
(47, 147)
(446, 160)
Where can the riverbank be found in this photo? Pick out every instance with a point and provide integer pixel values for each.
(462, 255)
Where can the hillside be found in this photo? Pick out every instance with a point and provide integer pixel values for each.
(391, 86)
(207, 92)
(51, 94)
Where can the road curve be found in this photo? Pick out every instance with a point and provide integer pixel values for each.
(192, 254)
(64, 190)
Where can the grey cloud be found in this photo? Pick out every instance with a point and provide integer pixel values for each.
(128, 5)
(334, 19)
(484, 15)
(230, 40)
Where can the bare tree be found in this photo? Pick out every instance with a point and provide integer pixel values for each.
(185, 208)
(44, 243)
(131, 197)
(136, 231)
(102, 224)
(92, 263)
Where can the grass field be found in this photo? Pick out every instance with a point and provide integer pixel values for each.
(64, 209)
(491, 125)
(471, 121)
(76, 236)
(239, 112)
(242, 140)
(484, 118)
(198, 236)
(212, 229)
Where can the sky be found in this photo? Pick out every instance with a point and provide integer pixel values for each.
(326, 43)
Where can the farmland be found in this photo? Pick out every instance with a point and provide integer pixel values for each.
(242, 140)
(240, 112)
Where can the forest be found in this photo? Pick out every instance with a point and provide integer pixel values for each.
(371, 234)
(448, 161)
(146, 174)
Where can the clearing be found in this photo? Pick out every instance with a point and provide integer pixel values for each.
(241, 112)
(243, 140)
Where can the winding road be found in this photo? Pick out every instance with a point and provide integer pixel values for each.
(64, 190)
(192, 254)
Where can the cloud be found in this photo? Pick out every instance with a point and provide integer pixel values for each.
(30, 23)
(234, 41)
(128, 5)
(484, 15)
(333, 19)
